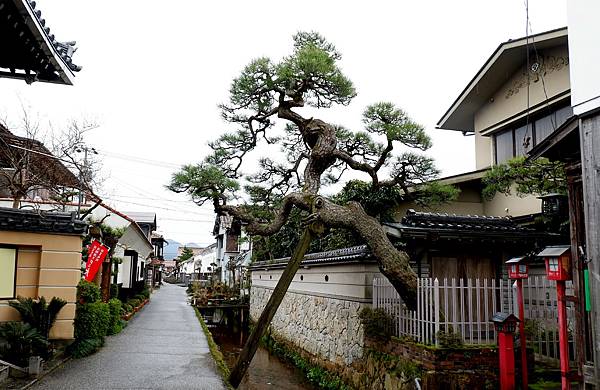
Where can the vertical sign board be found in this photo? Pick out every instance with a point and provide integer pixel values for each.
(96, 255)
(8, 272)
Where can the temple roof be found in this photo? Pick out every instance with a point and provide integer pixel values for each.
(30, 51)
(41, 222)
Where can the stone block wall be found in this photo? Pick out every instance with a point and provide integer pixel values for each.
(326, 327)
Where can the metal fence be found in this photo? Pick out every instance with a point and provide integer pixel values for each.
(465, 307)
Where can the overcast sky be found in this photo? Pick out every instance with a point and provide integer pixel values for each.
(154, 72)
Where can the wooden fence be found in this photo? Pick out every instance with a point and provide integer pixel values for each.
(465, 306)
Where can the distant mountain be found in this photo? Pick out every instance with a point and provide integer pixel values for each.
(194, 245)
(170, 251)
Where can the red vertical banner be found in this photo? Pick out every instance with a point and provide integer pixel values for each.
(96, 255)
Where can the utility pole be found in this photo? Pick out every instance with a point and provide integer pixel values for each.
(83, 172)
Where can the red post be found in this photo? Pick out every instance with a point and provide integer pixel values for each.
(522, 335)
(563, 335)
(507, 360)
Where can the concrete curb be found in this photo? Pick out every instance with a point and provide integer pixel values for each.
(36, 380)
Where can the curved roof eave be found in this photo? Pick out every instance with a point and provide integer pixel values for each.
(65, 73)
(459, 115)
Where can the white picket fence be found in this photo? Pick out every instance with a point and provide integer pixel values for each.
(458, 305)
(466, 306)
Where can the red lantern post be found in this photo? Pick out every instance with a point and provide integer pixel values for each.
(518, 271)
(505, 327)
(558, 267)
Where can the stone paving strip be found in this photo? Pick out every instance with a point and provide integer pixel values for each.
(163, 347)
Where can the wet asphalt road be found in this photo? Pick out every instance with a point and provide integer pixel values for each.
(163, 347)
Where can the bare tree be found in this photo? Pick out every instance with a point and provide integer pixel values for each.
(28, 168)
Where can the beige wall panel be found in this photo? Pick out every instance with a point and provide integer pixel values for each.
(61, 260)
(54, 242)
(60, 277)
(67, 312)
(66, 293)
(511, 98)
(62, 330)
(484, 151)
(7, 313)
(469, 193)
(27, 276)
(28, 257)
(27, 291)
(456, 207)
(516, 205)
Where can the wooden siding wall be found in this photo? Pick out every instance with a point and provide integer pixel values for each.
(50, 266)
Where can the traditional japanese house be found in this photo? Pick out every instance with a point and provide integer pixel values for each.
(464, 246)
(30, 174)
(40, 255)
(134, 248)
(520, 104)
(157, 262)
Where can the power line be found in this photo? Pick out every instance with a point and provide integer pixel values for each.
(138, 190)
(187, 220)
(141, 160)
(154, 206)
(164, 200)
(144, 193)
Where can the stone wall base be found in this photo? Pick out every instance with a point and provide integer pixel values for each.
(323, 326)
(397, 365)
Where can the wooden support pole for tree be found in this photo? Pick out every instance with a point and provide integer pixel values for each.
(270, 309)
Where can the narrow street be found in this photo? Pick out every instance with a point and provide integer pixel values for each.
(163, 347)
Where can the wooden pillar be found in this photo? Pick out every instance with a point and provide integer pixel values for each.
(577, 236)
(589, 132)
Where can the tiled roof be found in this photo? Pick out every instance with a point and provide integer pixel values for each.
(30, 46)
(421, 225)
(461, 222)
(41, 222)
(352, 254)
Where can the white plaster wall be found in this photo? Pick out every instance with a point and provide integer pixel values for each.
(352, 281)
(125, 271)
(584, 50)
